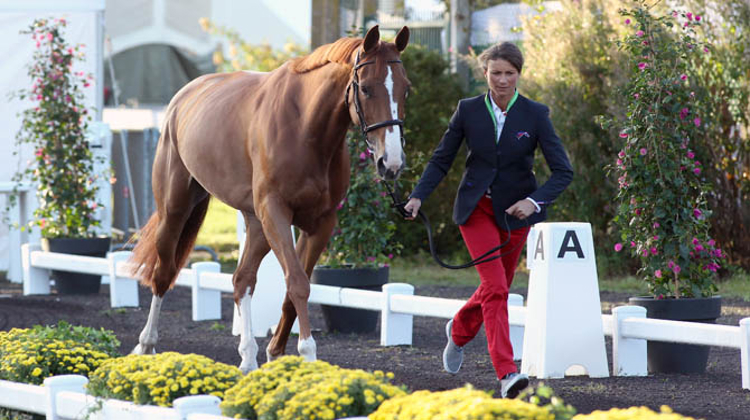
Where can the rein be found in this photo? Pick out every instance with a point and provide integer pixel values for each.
(364, 128)
(398, 206)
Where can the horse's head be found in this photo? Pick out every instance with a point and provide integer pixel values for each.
(376, 97)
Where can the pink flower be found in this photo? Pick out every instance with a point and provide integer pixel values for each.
(697, 171)
(656, 237)
(677, 269)
(362, 156)
(390, 256)
(643, 151)
(636, 96)
(656, 225)
(657, 273)
(690, 154)
(684, 113)
(697, 213)
(711, 242)
(632, 244)
(639, 33)
(689, 15)
(370, 259)
(49, 36)
(699, 248)
(645, 252)
(697, 122)
(627, 21)
(705, 49)
(697, 18)
(695, 241)
(637, 212)
(683, 77)
(623, 135)
(618, 247)
(674, 13)
(642, 65)
(670, 264)
(654, 251)
(621, 155)
(619, 162)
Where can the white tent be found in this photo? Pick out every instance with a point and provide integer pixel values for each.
(85, 26)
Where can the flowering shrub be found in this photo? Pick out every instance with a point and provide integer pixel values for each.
(663, 215)
(459, 404)
(161, 378)
(56, 128)
(364, 234)
(290, 388)
(633, 413)
(30, 355)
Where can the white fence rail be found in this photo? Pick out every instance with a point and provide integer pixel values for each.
(628, 325)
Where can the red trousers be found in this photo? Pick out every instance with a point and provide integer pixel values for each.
(489, 303)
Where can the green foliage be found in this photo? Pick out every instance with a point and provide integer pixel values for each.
(56, 128)
(246, 56)
(430, 105)
(159, 379)
(663, 213)
(364, 234)
(30, 355)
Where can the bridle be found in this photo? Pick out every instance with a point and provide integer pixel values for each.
(354, 85)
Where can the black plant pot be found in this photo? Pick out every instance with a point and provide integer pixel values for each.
(70, 283)
(350, 320)
(673, 357)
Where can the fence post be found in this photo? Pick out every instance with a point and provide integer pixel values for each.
(123, 291)
(35, 280)
(55, 384)
(628, 354)
(196, 404)
(516, 331)
(395, 328)
(745, 352)
(206, 302)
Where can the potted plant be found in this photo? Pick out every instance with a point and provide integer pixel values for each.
(663, 215)
(361, 246)
(55, 127)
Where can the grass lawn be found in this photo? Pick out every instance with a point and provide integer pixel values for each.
(219, 233)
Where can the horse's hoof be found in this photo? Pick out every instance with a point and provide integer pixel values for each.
(270, 357)
(248, 367)
(307, 349)
(144, 349)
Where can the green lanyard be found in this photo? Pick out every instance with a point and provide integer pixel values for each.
(492, 111)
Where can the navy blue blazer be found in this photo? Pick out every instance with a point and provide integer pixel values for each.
(505, 166)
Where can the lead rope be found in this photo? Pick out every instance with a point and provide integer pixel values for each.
(398, 206)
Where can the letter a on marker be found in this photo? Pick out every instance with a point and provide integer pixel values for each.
(570, 235)
(539, 249)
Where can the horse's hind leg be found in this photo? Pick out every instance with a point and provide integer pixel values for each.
(244, 280)
(309, 248)
(170, 234)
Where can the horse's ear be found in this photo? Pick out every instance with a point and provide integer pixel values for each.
(402, 38)
(371, 39)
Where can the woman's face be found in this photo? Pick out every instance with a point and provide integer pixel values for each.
(501, 77)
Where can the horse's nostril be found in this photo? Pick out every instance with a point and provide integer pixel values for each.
(381, 166)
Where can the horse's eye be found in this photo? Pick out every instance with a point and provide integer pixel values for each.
(366, 91)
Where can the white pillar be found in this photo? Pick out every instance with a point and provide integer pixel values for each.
(56, 384)
(563, 332)
(206, 302)
(516, 331)
(196, 404)
(395, 328)
(35, 280)
(123, 291)
(745, 352)
(629, 355)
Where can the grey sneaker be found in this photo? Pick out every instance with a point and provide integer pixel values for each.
(512, 384)
(453, 355)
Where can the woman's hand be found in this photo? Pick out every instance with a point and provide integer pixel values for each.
(522, 209)
(413, 207)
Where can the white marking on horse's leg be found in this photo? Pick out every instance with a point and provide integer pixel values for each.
(149, 336)
(248, 346)
(307, 348)
(393, 136)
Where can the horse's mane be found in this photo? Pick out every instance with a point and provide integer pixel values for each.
(340, 52)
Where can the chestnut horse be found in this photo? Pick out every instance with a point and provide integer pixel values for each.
(271, 145)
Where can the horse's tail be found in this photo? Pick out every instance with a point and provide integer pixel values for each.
(145, 258)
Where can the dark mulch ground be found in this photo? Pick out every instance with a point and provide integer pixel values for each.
(717, 394)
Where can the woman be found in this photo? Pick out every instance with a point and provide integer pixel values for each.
(497, 200)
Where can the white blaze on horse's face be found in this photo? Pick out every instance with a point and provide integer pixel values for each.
(393, 159)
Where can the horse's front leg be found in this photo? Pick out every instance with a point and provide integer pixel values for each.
(149, 336)
(276, 219)
(244, 280)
